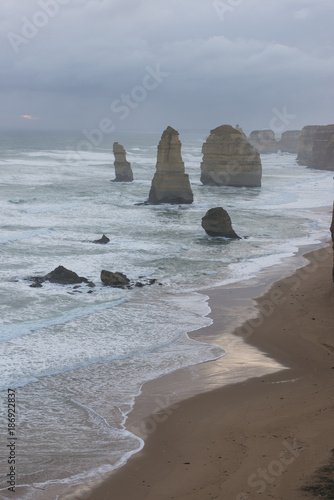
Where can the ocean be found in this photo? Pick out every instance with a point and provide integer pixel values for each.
(78, 357)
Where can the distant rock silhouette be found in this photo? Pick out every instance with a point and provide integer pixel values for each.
(123, 170)
(263, 141)
(289, 142)
(322, 156)
(316, 147)
(229, 159)
(170, 183)
(217, 222)
(305, 145)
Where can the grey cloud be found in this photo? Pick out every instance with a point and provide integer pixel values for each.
(262, 55)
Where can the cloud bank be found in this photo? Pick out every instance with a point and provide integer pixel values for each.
(230, 61)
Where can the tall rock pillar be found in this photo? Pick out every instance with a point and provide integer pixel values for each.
(123, 170)
(170, 183)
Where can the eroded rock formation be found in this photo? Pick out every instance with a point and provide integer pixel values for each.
(289, 142)
(123, 170)
(263, 141)
(305, 145)
(217, 222)
(322, 156)
(170, 183)
(229, 159)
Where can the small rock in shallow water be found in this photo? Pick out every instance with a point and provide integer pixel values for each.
(102, 241)
(118, 280)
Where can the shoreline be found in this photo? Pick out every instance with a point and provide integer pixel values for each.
(211, 377)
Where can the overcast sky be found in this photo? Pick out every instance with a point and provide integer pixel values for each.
(197, 64)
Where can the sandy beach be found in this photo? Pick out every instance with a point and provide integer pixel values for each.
(262, 438)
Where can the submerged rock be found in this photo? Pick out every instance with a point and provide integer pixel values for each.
(229, 160)
(36, 285)
(217, 222)
(123, 170)
(102, 241)
(170, 183)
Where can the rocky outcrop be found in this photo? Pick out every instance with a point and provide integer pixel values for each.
(229, 160)
(263, 141)
(289, 142)
(217, 222)
(123, 170)
(170, 183)
(61, 276)
(102, 241)
(64, 276)
(322, 156)
(118, 280)
(305, 145)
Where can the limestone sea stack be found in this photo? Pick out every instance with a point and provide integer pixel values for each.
(322, 156)
(305, 145)
(170, 183)
(217, 222)
(123, 170)
(263, 141)
(289, 141)
(229, 159)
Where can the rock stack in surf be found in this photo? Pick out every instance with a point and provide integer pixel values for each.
(170, 183)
